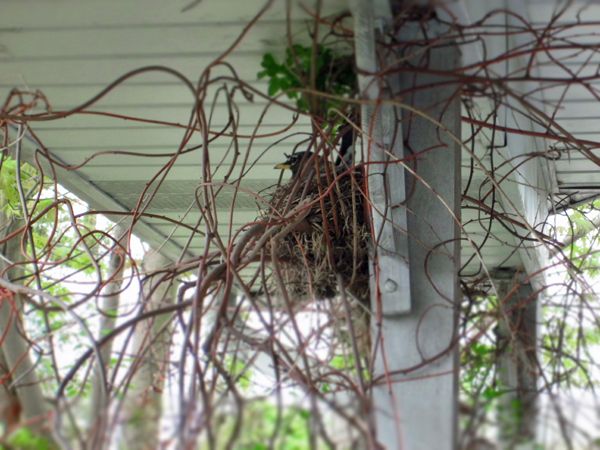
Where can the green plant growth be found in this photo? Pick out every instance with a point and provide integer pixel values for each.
(306, 72)
(477, 381)
(582, 251)
(347, 363)
(54, 236)
(10, 202)
(239, 371)
(25, 439)
(287, 428)
(58, 242)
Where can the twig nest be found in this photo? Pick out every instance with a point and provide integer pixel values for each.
(333, 238)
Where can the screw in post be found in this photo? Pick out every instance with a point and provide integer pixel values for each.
(390, 286)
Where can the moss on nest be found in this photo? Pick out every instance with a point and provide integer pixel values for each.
(333, 238)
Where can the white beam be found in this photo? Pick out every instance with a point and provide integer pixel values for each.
(416, 366)
(89, 192)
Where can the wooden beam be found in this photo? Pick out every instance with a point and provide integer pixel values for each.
(86, 190)
(517, 363)
(416, 364)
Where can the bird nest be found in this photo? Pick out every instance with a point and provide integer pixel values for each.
(331, 240)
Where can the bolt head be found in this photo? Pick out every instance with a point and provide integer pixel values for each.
(390, 286)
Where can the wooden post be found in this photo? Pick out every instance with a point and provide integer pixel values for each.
(100, 410)
(416, 364)
(517, 362)
(151, 344)
(15, 347)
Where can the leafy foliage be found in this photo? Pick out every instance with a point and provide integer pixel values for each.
(333, 74)
(10, 202)
(477, 381)
(26, 439)
(583, 236)
(239, 371)
(263, 422)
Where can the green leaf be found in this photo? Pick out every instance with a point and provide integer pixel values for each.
(273, 86)
(269, 62)
(482, 349)
(26, 439)
(338, 362)
(50, 216)
(490, 393)
(333, 75)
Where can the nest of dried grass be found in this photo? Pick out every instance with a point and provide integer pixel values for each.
(331, 240)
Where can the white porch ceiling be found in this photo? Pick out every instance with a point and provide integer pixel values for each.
(72, 49)
(576, 106)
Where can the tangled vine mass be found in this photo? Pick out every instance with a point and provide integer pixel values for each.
(249, 314)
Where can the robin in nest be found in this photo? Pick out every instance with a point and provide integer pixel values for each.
(296, 161)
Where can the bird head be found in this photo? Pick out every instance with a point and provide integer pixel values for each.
(294, 162)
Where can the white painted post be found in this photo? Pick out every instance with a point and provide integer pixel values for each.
(99, 411)
(151, 343)
(15, 348)
(416, 365)
(517, 363)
